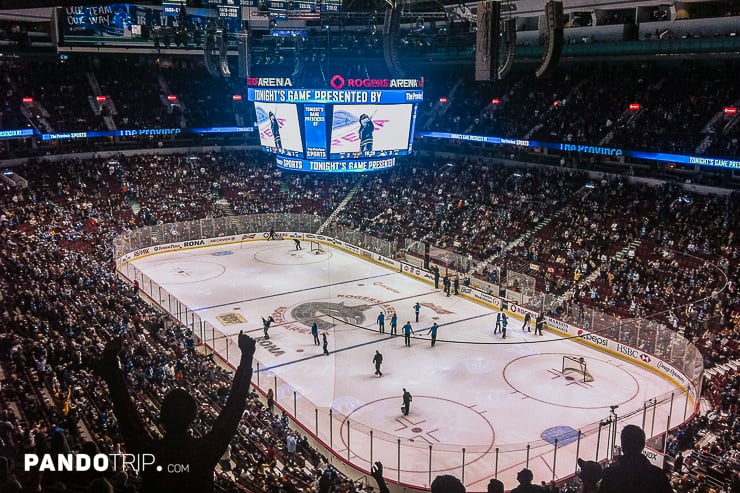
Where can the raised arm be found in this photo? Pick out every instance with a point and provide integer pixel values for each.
(135, 434)
(225, 425)
(376, 471)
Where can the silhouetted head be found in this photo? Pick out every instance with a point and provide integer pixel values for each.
(178, 411)
(364, 118)
(446, 483)
(633, 439)
(590, 472)
(100, 485)
(525, 476)
(495, 486)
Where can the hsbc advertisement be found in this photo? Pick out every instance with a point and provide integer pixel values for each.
(639, 357)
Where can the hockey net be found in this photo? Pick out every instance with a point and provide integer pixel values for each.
(577, 365)
(317, 248)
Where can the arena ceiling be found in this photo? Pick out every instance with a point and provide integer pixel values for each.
(353, 5)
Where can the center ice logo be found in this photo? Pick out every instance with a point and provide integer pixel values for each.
(308, 313)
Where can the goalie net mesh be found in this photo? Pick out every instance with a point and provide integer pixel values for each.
(578, 365)
(317, 248)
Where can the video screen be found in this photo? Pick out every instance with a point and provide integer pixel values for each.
(370, 130)
(279, 128)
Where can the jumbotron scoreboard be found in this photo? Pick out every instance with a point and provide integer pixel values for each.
(354, 125)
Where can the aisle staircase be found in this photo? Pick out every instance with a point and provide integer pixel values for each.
(229, 213)
(527, 235)
(632, 245)
(339, 209)
(585, 281)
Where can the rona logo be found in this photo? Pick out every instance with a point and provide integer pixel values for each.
(193, 243)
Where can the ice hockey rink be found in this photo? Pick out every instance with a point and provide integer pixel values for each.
(482, 406)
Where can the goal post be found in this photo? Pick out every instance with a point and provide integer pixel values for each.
(578, 365)
(316, 248)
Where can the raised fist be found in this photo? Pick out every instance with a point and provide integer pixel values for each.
(246, 344)
(113, 347)
(377, 471)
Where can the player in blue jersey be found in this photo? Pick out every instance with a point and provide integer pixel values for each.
(366, 133)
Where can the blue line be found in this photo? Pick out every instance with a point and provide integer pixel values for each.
(368, 342)
(292, 292)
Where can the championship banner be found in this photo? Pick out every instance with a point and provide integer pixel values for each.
(112, 20)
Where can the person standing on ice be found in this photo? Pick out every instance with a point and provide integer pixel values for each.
(406, 402)
(378, 360)
(325, 343)
(407, 334)
(266, 325)
(525, 325)
(433, 331)
(315, 334)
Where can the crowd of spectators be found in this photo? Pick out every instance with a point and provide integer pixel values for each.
(620, 247)
(591, 104)
(60, 300)
(580, 103)
(70, 304)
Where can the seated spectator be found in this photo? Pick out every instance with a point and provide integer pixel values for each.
(447, 483)
(590, 474)
(632, 471)
(495, 486)
(525, 478)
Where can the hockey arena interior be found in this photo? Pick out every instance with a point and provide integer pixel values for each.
(366, 246)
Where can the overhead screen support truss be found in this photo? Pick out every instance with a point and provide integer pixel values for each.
(495, 41)
(391, 30)
(210, 51)
(508, 47)
(554, 19)
(487, 40)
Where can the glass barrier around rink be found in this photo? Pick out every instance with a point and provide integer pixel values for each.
(644, 334)
(360, 446)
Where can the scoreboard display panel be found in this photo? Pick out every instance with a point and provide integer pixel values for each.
(362, 127)
(370, 130)
(279, 128)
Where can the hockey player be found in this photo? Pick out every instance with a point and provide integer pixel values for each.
(266, 325)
